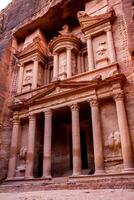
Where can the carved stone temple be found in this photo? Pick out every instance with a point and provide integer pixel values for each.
(67, 90)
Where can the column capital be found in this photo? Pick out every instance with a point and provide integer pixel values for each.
(118, 96)
(74, 107)
(93, 102)
(69, 48)
(16, 119)
(32, 117)
(48, 112)
(109, 28)
(88, 37)
(35, 59)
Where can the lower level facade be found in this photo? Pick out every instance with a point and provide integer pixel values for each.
(71, 128)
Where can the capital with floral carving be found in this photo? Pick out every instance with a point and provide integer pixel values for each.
(118, 96)
(74, 107)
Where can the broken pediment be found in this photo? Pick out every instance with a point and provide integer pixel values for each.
(35, 47)
(87, 21)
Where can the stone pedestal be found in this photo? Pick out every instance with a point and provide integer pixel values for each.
(31, 149)
(128, 159)
(47, 144)
(97, 137)
(14, 146)
(76, 140)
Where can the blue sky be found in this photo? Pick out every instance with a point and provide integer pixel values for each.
(4, 3)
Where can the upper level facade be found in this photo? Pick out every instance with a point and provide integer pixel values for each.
(80, 52)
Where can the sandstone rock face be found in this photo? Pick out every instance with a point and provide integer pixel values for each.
(23, 17)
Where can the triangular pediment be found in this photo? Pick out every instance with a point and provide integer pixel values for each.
(58, 89)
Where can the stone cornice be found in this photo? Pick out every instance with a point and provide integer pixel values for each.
(88, 22)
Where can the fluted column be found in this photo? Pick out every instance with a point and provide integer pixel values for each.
(128, 159)
(90, 54)
(35, 73)
(20, 78)
(97, 137)
(55, 66)
(76, 140)
(47, 144)
(31, 144)
(69, 63)
(111, 48)
(14, 146)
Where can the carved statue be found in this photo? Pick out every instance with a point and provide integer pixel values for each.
(65, 30)
(22, 164)
(23, 153)
(101, 49)
(114, 141)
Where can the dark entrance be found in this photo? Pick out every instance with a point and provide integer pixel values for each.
(84, 160)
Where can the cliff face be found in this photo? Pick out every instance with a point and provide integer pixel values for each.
(14, 15)
(19, 14)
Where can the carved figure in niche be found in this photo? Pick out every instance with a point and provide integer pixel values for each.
(22, 161)
(65, 30)
(28, 77)
(114, 141)
(101, 49)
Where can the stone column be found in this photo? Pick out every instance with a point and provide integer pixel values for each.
(35, 73)
(69, 63)
(82, 63)
(20, 78)
(78, 64)
(127, 154)
(55, 66)
(31, 144)
(110, 43)
(90, 54)
(76, 140)
(47, 144)
(97, 137)
(14, 147)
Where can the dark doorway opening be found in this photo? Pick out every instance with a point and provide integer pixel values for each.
(84, 160)
(86, 136)
(39, 142)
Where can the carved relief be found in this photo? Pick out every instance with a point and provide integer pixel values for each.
(22, 161)
(74, 64)
(114, 140)
(101, 48)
